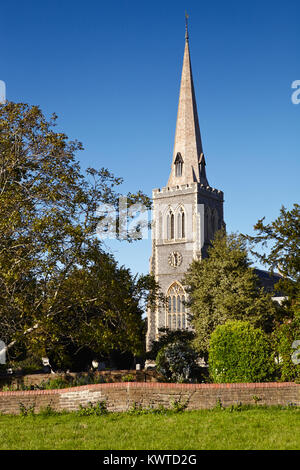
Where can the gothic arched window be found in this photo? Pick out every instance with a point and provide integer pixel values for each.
(181, 223)
(176, 311)
(170, 225)
(178, 164)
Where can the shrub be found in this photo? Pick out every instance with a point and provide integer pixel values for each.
(47, 411)
(128, 378)
(27, 410)
(69, 381)
(239, 352)
(283, 338)
(139, 410)
(179, 407)
(91, 409)
(58, 382)
(176, 362)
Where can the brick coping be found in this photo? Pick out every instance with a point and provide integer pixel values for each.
(151, 385)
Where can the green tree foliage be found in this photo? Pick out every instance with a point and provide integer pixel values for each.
(283, 339)
(176, 362)
(239, 352)
(224, 287)
(101, 307)
(167, 336)
(49, 254)
(280, 244)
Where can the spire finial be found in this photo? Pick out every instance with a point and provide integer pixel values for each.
(186, 26)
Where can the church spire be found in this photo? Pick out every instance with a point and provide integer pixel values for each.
(188, 164)
(186, 27)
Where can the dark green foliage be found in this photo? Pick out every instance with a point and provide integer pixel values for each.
(176, 362)
(224, 287)
(97, 409)
(283, 255)
(240, 353)
(176, 406)
(139, 410)
(65, 381)
(70, 381)
(283, 339)
(167, 336)
(60, 293)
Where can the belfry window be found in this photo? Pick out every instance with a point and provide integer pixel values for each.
(180, 223)
(170, 225)
(178, 164)
(176, 312)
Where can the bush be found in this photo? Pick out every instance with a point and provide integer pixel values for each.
(97, 409)
(239, 352)
(128, 378)
(30, 365)
(176, 362)
(56, 383)
(284, 337)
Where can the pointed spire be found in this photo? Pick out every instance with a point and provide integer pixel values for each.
(187, 136)
(186, 27)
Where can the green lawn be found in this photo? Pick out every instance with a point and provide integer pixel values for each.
(256, 428)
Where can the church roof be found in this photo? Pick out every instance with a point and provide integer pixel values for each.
(268, 280)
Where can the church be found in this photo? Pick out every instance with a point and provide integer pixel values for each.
(186, 212)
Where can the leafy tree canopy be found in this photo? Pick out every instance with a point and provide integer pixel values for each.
(167, 336)
(54, 274)
(280, 244)
(224, 287)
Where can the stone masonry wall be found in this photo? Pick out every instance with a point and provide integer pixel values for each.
(122, 396)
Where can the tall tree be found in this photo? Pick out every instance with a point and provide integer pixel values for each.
(48, 220)
(224, 287)
(279, 242)
(99, 311)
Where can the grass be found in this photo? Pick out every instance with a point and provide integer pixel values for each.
(246, 429)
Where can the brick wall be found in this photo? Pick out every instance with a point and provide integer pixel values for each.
(121, 396)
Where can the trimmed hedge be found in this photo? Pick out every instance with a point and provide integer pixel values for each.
(239, 352)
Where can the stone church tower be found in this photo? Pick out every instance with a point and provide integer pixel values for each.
(186, 212)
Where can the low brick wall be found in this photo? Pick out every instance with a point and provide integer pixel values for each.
(121, 396)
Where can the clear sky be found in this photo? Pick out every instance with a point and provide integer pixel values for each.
(111, 71)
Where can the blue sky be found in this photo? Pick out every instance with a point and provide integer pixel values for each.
(111, 71)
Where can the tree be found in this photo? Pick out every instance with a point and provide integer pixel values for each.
(48, 221)
(100, 315)
(283, 238)
(224, 287)
(176, 362)
(239, 352)
(286, 345)
(166, 337)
